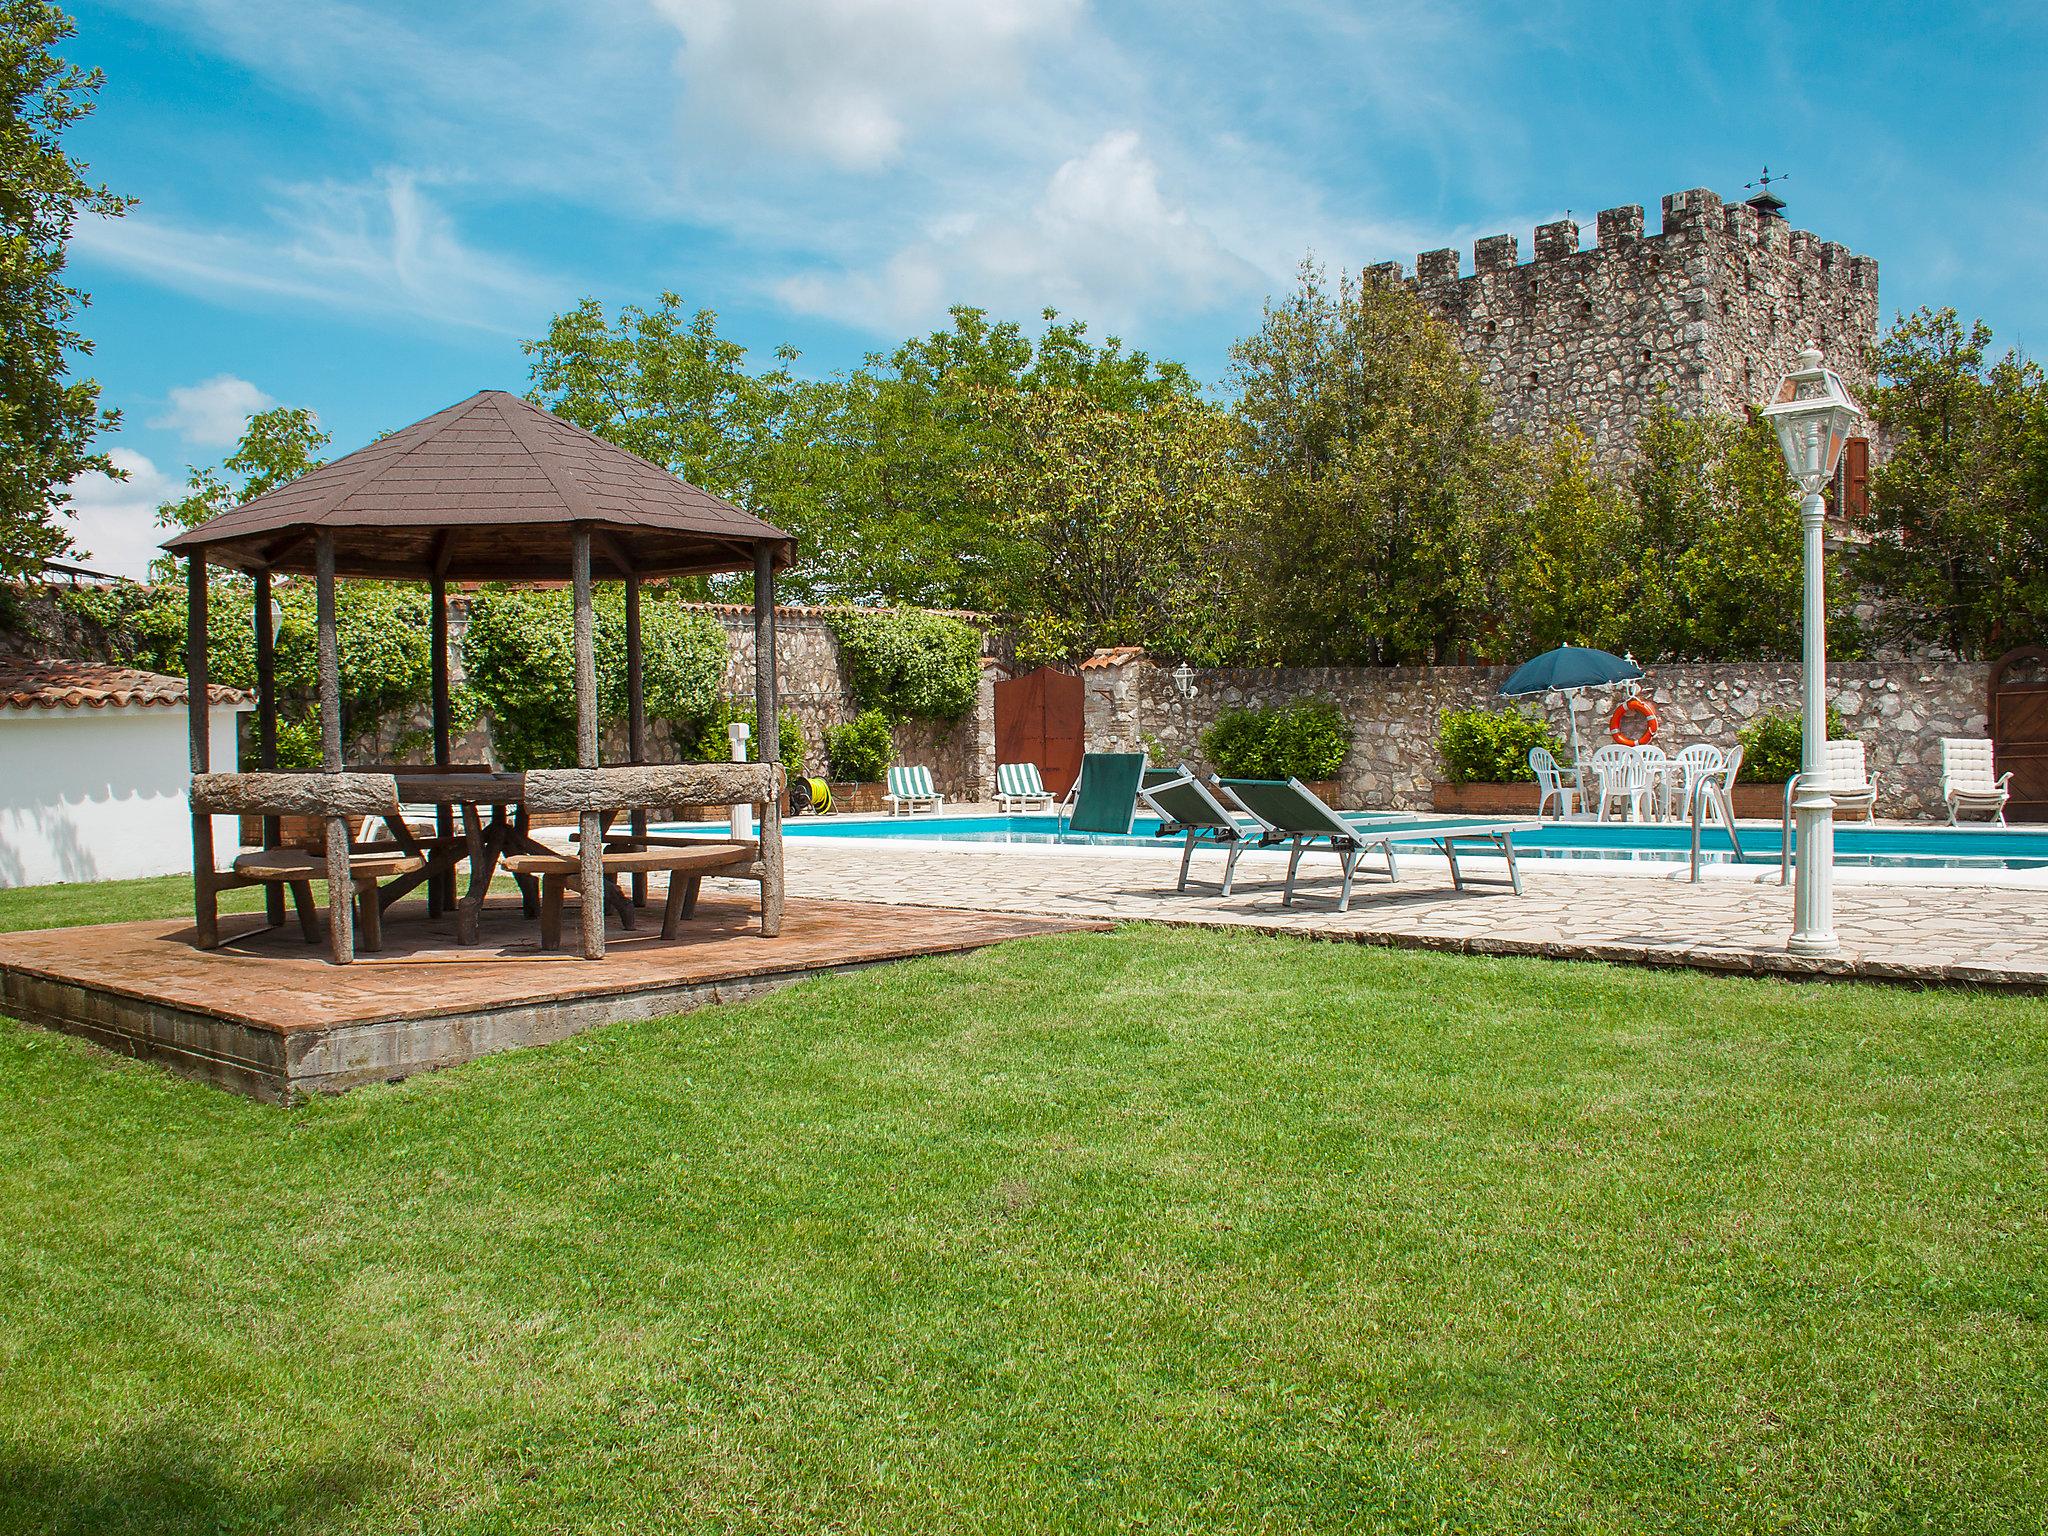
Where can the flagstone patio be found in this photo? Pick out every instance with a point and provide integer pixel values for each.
(1911, 930)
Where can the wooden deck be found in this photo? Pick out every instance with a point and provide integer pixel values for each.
(267, 1016)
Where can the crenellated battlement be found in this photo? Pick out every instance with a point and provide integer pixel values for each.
(1705, 313)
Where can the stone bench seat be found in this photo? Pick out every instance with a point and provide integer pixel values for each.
(685, 862)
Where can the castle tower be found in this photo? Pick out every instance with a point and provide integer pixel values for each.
(1707, 314)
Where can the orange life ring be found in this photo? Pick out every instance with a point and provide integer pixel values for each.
(1643, 711)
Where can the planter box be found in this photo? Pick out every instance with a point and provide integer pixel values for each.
(1325, 790)
(857, 798)
(1485, 799)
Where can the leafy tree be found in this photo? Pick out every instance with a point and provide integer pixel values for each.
(276, 446)
(1126, 521)
(1370, 460)
(909, 664)
(1959, 510)
(47, 420)
(1561, 560)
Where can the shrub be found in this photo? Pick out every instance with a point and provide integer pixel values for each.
(519, 657)
(1773, 743)
(1491, 746)
(712, 745)
(861, 750)
(909, 664)
(1307, 739)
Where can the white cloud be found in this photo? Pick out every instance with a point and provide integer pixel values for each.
(213, 412)
(114, 521)
(380, 247)
(848, 81)
(1102, 240)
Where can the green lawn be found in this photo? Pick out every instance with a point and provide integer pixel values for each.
(1145, 1230)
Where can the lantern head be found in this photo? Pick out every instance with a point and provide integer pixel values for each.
(1813, 414)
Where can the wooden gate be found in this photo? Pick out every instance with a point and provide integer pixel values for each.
(2018, 710)
(1038, 720)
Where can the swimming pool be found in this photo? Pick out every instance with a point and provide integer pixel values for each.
(1989, 847)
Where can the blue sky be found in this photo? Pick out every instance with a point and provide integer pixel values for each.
(364, 207)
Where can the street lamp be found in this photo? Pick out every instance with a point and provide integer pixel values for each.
(1812, 414)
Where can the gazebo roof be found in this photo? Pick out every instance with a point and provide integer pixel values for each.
(488, 490)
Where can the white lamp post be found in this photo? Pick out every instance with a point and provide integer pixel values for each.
(1812, 414)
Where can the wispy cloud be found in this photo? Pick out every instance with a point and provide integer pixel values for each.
(380, 248)
(114, 521)
(213, 412)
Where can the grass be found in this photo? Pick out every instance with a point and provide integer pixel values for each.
(1140, 1231)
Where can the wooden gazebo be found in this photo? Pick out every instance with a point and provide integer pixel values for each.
(491, 489)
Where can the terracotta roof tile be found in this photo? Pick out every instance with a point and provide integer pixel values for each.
(27, 684)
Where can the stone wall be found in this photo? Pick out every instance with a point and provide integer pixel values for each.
(1709, 312)
(1900, 710)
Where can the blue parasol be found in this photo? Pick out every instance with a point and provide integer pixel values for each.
(1566, 670)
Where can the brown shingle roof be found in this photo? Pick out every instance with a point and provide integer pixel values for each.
(487, 490)
(26, 684)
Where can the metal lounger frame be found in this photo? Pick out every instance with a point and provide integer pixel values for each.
(1224, 831)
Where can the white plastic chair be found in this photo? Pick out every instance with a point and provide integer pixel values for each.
(1851, 783)
(1622, 773)
(1966, 779)
(1692, 767)
(1552, 784)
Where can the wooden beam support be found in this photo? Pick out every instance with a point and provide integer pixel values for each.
(590, 900)
(441, 888)
(768, 722)
(341, 937)
(198, 731)
(266, 731)
(636, 717)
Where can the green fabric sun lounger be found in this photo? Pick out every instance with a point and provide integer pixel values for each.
(1187, 806)
(1293, 815)
(1106, 794)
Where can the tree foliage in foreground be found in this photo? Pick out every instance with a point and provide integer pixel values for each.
(1959, 509)
(47, 419)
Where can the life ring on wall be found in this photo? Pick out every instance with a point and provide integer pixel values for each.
(1644, 715)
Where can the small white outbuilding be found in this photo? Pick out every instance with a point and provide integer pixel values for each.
(95, 768)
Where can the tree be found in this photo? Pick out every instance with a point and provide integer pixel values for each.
(276, 446)
(1959, 510)
(1126, 522)
(1560, 564)
(1370, 460)
(47, 420)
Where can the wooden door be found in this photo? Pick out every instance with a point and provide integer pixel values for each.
(2018, 709)
(1039, 720)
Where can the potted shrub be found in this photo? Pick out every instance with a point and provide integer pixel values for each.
(857, 755)
(1306, 740)
(1485, 754)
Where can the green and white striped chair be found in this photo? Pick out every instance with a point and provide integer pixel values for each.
(910, 791)
(1019, 788)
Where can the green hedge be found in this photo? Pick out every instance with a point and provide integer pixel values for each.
(908, 664)
(518, 653)
(1774, 743)
(1491, 746)
(1307, 739)
(860, 751)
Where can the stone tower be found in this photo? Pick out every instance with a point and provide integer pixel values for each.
(1708, 313)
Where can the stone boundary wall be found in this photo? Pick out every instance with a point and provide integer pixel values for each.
(1900, 710)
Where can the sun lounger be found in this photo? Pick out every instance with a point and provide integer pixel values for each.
(1293, 815)
(1106, 794)
(1188, 807)
(1019, 787)
(910, 790)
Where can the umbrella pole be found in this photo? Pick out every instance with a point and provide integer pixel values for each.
(1571, 712)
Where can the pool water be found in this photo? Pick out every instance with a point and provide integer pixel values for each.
(1988, 847)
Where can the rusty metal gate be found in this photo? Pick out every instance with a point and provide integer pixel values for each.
(2018, 710)
(1039, 720)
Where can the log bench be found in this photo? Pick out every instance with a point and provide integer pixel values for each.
(296, 869)
(685, 863)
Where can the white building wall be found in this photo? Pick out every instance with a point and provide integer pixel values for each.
(100, 794)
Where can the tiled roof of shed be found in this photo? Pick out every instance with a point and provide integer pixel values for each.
(59, 684)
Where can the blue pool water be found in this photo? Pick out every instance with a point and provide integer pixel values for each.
(1988, 847)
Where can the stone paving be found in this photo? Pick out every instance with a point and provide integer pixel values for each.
(1896, 930)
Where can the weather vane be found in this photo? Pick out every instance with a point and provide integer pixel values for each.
(1766, 202)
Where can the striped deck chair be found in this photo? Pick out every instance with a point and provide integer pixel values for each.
(1019, 788)
(910, 791)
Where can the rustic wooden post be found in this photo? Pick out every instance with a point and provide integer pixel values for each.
(636, 715)
(266, 732)
(341, 928)
(591, 846)
(768, 730)
(205, 898)
(441, 890)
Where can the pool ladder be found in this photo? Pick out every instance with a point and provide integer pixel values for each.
(1717, 792)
